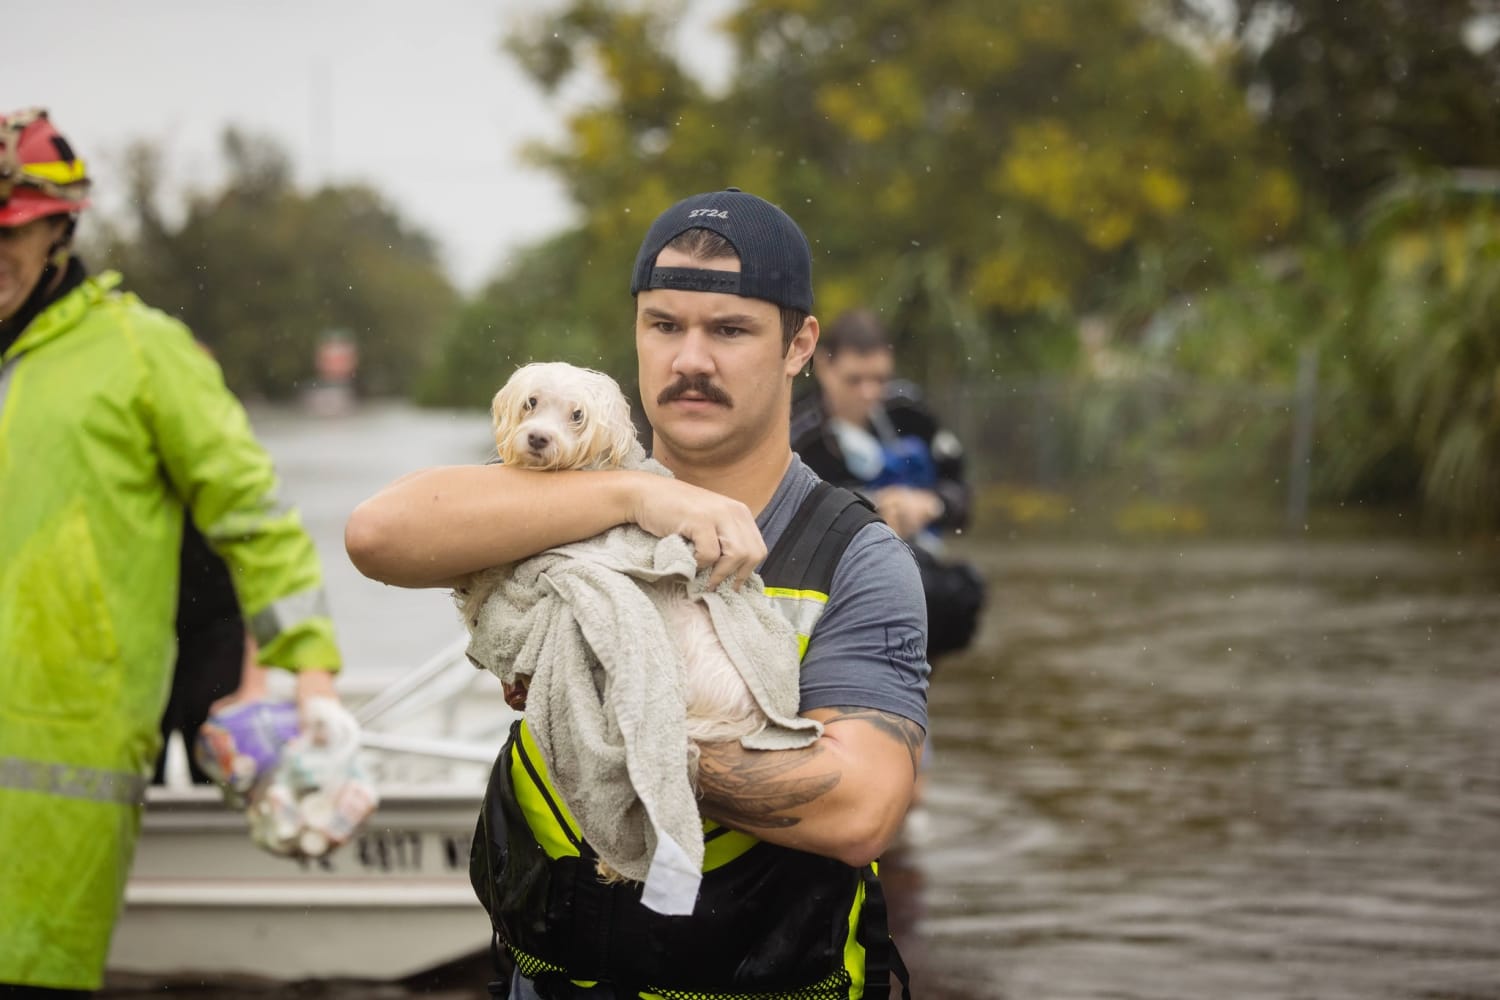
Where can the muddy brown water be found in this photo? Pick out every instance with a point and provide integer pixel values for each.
(1219, 770)
(1166, 771)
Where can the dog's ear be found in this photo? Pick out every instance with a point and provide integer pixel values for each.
(505, 413)
(615, 433)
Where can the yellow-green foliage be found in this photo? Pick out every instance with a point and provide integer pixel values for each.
(261, 271)
(1017, 505)
(1150, 518)
(965, 169)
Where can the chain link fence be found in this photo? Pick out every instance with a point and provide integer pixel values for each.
(1139, 454)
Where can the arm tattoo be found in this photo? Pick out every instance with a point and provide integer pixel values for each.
(902, 730)
(754, 789)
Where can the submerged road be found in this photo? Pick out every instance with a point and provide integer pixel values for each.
(1166, 770)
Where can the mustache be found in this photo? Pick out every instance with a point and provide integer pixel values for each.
(698, 384)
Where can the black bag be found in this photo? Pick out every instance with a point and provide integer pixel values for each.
(955, 596)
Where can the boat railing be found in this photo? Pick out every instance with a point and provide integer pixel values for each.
(433, 682)
(434, 713)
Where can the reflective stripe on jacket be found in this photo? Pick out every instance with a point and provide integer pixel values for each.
(112, 420)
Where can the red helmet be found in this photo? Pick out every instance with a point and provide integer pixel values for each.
(39, 174)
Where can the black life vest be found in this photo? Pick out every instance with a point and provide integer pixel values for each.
(769, 921)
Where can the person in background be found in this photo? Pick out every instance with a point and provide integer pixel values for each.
(789, 904)
(114, 425)
(864, 429)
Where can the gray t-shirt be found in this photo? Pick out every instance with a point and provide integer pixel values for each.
(869, 649)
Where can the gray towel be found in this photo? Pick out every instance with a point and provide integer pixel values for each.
(605, 702)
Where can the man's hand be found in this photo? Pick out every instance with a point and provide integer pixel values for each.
(314, 684)
(722, 531)
(908, 510)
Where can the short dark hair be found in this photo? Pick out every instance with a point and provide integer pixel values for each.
(858, 330)
(705, 244)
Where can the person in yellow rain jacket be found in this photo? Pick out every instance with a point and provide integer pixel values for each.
(113, 423)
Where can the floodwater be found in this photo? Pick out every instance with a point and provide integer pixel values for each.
(1219, 771)
(1167, 770)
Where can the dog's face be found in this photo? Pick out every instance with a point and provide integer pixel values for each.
(553, 415)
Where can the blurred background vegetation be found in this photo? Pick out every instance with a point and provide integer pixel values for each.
(1169, 265)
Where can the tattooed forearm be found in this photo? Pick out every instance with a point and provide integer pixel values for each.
(903, 731)
(755, 789)
(768, 789)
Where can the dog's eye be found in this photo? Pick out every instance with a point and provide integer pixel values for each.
(577, 416)
(530, 403)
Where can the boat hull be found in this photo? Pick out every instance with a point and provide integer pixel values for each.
(203, 901)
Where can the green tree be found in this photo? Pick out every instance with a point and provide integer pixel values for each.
(988, 167)
(1360, 94)
(1385, 110)
(261, 271)
(533, 312)
(1405, 317)
(1431, 342)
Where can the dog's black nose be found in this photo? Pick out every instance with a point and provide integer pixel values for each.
(537, 441)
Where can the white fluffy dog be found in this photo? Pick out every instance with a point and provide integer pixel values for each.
(555, 416)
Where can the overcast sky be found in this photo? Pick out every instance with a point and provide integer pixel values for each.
(416, 99)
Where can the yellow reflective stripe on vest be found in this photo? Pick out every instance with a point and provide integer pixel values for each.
(540, 802)
(802, 608)
(72, 782)
(854, 952)
(722, 845)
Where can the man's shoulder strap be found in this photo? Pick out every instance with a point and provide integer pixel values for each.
(808, 552)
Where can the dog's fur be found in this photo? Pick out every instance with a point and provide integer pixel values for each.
(555, 416)
(552, 415)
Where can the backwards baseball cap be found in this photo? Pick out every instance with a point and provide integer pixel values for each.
(775, 259)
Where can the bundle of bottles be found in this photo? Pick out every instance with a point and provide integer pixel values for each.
(296, 774)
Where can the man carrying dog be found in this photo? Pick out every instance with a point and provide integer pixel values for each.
(789, 903)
